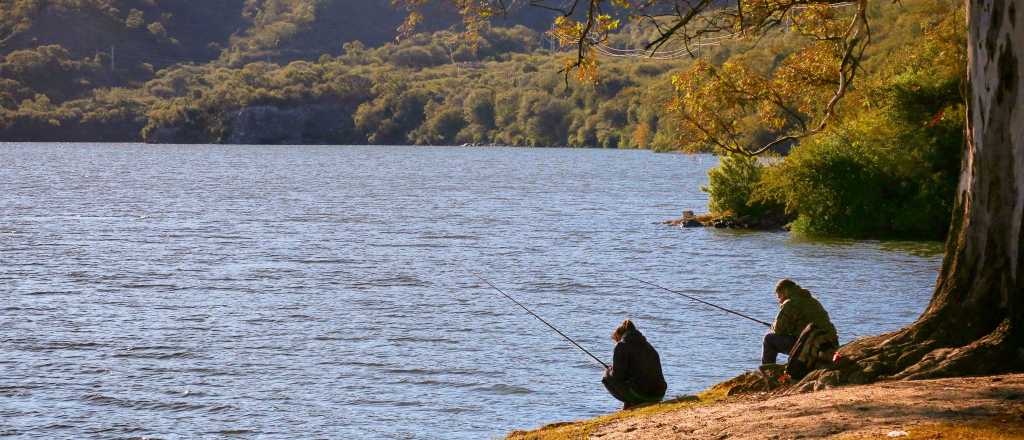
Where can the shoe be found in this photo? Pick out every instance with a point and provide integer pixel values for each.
(772, 370)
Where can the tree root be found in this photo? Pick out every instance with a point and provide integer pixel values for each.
(912, 354)
(991, 354)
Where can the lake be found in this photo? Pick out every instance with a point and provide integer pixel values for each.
(328, 292)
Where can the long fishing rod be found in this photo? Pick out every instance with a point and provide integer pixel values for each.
(699, 300)
(541, 320)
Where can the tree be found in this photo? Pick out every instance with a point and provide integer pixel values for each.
(974, 323)
(542, 118)
(158, 29)
(135, 19)
(479, 108)
(441, 127)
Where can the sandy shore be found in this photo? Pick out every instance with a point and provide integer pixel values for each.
(991, 407)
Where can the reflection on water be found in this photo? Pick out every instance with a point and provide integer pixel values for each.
(919, 248)
(927, 249)
(300, 292)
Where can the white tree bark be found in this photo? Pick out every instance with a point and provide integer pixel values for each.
(975, 322)
(987, 224)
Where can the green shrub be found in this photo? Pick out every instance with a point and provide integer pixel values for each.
(835, 187)
(889, 168)
(731, 186)
(440, 128)
(875, 176)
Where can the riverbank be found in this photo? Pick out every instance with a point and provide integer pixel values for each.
(977, 408)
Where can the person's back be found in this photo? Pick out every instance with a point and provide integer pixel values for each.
(638, 362)
(635, 376)
(798, 309)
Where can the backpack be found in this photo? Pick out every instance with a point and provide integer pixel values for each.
(813, 350)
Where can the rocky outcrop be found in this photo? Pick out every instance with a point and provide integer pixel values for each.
(314, 124)
(768, 223)
(687, 220)
(266, 125)
(177, 135)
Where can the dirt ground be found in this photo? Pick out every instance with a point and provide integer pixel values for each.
(872, 411)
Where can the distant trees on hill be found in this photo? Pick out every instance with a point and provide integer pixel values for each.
(439, 89)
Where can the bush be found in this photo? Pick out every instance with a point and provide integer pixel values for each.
(479, 108)
(441, 128)
(836, 188)
(888, 169)
(731, 187)
(417, 57)
(874, 177)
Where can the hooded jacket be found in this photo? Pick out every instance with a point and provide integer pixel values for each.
(799, 310)
(635, 361)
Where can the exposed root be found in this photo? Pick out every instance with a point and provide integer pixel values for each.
(989, 355)
(913, 354)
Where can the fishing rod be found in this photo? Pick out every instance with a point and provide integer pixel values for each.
(699, 300)
(541, 320)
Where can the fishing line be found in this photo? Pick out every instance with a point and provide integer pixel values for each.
(698, 300)
(541, 319)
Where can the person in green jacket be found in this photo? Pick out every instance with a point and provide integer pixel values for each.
(797, 309)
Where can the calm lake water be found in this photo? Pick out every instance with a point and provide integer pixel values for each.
(326, 292)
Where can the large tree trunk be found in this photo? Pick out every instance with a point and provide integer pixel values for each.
(975, 321)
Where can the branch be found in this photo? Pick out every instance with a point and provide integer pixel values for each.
(565, 12)
(855, 44)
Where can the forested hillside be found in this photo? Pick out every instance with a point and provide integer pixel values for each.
(330, 72)
(254, 70)
(78, 69)
(225, 71)
(162, 32)
(139, 31)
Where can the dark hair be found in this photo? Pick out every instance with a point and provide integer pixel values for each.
(626, 326)
(786, 285)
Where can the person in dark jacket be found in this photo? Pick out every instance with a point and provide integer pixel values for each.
(635, 375)
(797, 309)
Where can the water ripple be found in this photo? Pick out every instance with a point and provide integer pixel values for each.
(325, 292)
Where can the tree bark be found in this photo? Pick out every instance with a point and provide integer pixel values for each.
(975, 321)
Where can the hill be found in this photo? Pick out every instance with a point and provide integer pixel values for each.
(289, 71)
(138, 31)
(161, 33)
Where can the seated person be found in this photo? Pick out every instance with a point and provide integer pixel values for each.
(798, 308)
(635, 375)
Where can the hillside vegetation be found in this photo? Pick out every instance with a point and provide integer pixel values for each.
(431, 88)
(330, 72)
(890, 165)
